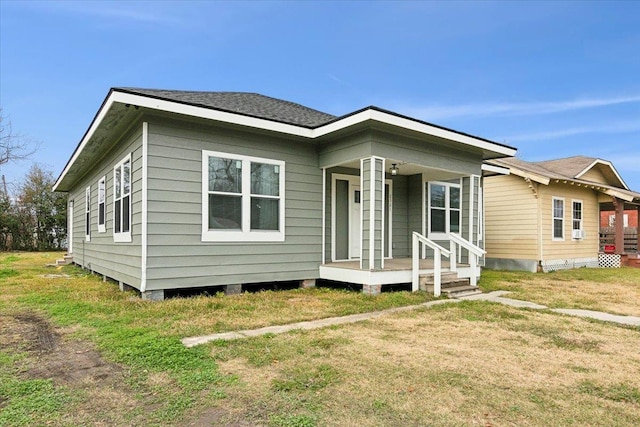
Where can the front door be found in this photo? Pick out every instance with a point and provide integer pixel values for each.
(355, 226)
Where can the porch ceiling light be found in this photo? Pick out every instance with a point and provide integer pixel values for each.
(394, 169)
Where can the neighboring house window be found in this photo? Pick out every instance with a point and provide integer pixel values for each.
(444, 207)
(242, 198)
(87, 215)
(122, 201)
(102, 214)
(612, 220)
(558, 218)
(576, 219)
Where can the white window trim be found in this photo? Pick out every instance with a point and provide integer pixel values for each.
(553, 218)
(245, 234)
(102, 228)
(123, 237)
(480, 210)
(574, 219)
(439, 235)
(87, 214)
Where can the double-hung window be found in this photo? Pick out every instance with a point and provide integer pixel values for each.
(576, 219)
(558, 218)
(122, 201)
(87, 214)
(443, 208)
(102, 213)
(242, 198)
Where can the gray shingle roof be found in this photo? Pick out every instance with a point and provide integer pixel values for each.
(245, 103)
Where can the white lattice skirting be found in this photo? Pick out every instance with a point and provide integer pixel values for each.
(566, 264)
(609, 260)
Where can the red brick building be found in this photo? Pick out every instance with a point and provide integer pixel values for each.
(607, 218)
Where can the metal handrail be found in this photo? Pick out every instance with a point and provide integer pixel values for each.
(438, 250)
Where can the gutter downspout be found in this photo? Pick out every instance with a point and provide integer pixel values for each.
(540, 233)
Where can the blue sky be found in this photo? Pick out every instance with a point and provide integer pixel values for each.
(553, 79)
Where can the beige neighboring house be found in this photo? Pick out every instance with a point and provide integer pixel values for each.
(544, 216)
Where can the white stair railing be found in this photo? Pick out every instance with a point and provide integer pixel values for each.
(439, 252)
(475, 252)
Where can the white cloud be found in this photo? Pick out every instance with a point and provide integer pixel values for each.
(435, 112)
(619, 127)
(143, 12)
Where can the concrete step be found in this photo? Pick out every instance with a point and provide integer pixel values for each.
(457, 291)
(66, 260)
(445, 277)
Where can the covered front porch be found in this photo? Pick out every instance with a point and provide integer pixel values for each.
(620, 237)
(389, 221)
(401, 198)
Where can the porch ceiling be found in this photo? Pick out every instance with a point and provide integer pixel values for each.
(404, 168)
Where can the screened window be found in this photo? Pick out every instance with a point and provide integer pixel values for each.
(444, 207)
(122, 201)
(101, 205)
(87, 215)
(243, 198)
(558, 219)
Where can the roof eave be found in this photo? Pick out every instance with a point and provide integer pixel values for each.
(116, 95)
(607, 164)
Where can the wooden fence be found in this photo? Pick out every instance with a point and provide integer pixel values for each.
(608, 238)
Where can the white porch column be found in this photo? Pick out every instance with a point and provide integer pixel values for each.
(373, 212)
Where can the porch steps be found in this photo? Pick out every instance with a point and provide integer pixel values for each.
(451, 285)
(66, 260)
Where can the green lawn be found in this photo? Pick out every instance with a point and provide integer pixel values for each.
(76, 351)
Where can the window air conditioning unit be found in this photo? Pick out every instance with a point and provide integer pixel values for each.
(578, 234)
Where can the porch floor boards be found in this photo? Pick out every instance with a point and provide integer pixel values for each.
(395, 264)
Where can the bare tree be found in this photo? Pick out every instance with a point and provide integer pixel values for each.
(13, 146)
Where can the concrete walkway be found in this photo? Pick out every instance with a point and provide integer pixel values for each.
(311, 324)
(496, 296)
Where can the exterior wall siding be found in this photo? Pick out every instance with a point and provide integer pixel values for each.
(570, 248)
(120, 261)
(400, 222)
(595, 175)
(176, 256)
(511, 221)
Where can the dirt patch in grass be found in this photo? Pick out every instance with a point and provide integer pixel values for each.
(67, 362)
(72, 365)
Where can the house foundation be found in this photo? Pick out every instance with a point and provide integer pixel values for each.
(371, 289)
(233, 289)
(123, 286)
(155, 295)
(307, 283)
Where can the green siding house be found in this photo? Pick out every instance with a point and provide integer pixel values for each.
(175, 189)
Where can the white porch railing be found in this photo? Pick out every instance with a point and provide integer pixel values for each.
(438, 250)
(475, 252)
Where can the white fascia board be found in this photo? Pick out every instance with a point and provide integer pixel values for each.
(618, 194)
(495, 169)
(223, 116)
(608, 164)
(532, 176)
(178, 108)
(207, 113)
(94, 125)
(405, 123)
